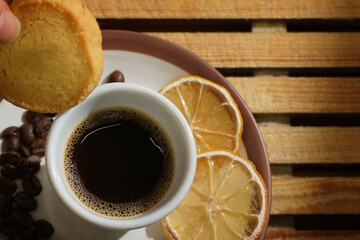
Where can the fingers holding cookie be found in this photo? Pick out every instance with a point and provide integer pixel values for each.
(9, 24)
(57, 61)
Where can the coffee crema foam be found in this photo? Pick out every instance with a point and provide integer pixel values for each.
(123, 209)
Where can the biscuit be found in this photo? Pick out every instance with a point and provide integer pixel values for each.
(57, 60)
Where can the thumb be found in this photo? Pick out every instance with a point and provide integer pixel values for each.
(9, 26)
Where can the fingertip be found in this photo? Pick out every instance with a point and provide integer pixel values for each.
(9, 27)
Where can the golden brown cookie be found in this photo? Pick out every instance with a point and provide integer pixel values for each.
(56, 61)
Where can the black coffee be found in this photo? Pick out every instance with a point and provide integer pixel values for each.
(119, 162)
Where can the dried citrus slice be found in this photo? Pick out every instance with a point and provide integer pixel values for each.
(210, 110)
(227, 200)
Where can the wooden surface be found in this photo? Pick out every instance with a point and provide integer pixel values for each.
(262, 50)
(254, 9)
(297, 65)
(320, 195)
(301, 145)
(293, 95)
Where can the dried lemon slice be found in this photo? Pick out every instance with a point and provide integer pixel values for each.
(210, 110)
(227, 200)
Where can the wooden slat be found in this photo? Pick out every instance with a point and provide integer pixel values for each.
(259, 9)
(295, 195)
(313, 235)
(299, 95)
(312, 144)
(232, 50)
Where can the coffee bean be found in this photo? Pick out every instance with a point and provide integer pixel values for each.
(116, 76)
(8, 131)
(42, 127)
(32, 185)
(29, 141)
(21, 217)
(43, 228)
(25, 201)
(11, 143)
(29, 166)
(6, 202)
(22, 170)
(12, 158)
(24, 151)
(27, 135)
(38, 147)
(15, 237)
(9, 171)
(28, 235)
(33, 117)
(8, 227)
(7, 186)
(51, 114)
(40, 151)
(34, 160)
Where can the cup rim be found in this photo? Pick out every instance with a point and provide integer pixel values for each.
(69, 199)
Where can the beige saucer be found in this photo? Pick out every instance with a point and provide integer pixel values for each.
(57, 59)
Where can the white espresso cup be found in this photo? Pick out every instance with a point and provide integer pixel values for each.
(143, 100)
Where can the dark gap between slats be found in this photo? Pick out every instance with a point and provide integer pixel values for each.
(316, 170)
(316, 25)
(176, 25)
(281, 221)
(311, 120)
(237, 72)
(320, 25)
(326, 120)
(293, 72)
(327, 222)
(324, 72)
(316, 221)
(227, 25)
(326, 170)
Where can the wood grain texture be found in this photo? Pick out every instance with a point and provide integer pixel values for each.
(219, 9)
(312, 144)
(236, 50)
(313, 235)
(299, 95)
(295, 195)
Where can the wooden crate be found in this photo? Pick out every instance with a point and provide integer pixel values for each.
(297, 65)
